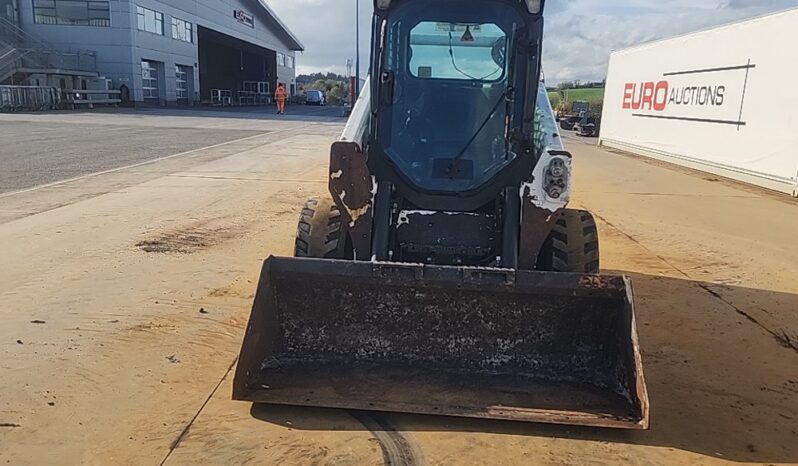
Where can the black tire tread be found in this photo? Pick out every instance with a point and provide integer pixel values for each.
(319, 230)
(574, 243)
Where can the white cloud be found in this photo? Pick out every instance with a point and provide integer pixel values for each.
(327, 30)
(579, 38)
(579, 34)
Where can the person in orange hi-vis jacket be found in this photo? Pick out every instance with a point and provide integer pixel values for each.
(280, 96)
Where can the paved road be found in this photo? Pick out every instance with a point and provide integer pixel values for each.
(127, 369)
(46, 148)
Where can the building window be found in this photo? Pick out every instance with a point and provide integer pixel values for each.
(149, 20)
(72, 12)
(280, 59)
(289, 61)
(181, 81)
(149, 80)
(182, 30)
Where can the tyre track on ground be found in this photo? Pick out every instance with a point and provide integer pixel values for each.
(397, 450)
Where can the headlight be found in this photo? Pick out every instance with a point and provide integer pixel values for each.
(556, 179)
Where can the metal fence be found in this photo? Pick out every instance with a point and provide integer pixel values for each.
(22, 51)
(27, 98)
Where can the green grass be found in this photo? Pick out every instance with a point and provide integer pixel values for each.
(593, 95)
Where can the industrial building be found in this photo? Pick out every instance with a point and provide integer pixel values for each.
(157, 52)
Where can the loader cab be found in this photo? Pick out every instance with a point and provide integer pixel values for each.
(454, 86)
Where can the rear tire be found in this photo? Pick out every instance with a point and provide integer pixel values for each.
(572, 245)
(319, 230)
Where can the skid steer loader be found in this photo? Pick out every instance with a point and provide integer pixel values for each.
(445, 275)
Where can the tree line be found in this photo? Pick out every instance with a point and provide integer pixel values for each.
(577, 84)
(334, 86)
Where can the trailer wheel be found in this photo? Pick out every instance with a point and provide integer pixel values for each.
(572, 245)
(319, 230)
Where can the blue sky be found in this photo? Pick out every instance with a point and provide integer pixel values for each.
(579, 33)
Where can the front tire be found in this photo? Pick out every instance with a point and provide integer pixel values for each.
(319, 230)
(572, 245)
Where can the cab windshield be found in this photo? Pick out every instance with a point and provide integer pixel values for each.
(449, 109)
(470, 52)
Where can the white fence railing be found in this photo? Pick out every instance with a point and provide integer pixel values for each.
(90, 98)
(221, 97)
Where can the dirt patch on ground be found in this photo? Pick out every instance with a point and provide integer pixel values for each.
(220, 292)
(282, 206)
(152, 326)
(187, 241)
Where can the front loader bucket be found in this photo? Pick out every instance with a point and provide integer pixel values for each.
(455, 341)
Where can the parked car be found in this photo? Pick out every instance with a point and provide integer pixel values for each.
(586, 127)
(315, 98)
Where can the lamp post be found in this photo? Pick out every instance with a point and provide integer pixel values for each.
(357, 49)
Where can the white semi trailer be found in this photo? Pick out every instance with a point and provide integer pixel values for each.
(724, 101)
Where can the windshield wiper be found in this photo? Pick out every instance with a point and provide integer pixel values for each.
(453, 164)
(506, 96)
